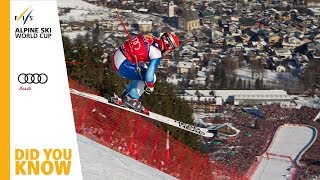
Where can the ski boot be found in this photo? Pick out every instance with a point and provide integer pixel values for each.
(116, 100)
(134, 104)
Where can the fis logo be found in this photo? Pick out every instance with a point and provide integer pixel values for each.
(25, 16)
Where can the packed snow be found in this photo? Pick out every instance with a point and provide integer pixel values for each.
(290, 140)
(100, 162)
(74, 34)
(268, 75)
(81, 11)
(313, 102)
(76, 4)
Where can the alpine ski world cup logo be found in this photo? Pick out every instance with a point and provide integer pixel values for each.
(24, 16)
(35, 78)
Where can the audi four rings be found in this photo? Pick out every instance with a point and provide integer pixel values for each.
(32, 78)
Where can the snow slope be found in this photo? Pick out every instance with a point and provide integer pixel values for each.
(308, 101)
(82, 11)
(76, 4)
(268, 75)
(290, 140)
(99, 162)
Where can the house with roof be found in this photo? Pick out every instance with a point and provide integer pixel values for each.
(315, 12)
(246, 23)
(280, 68)
(312, 3)
(216, 34)
(316, 56)
(292, 43)
(283, 53)
(234, 30)
(235, 18)
(144, 26)
(109, 24)
(243, 39)
(206, 17)
(185, 67)
(188, 20)
(314, 46)
(263, 23)
(65, 27)
(224, 23)
(274, 39)
(286, 16)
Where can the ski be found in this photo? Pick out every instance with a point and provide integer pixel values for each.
(188, 127)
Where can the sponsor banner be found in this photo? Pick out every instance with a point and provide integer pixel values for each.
(43, 142)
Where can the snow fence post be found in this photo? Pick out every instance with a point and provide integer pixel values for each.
(85, 112)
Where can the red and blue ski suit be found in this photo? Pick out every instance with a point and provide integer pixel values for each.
(135, 53)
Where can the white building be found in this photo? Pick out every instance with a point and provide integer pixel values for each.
(145, 26)
(201, 95)
(65, 28)
(312, 3)
(283, 53)
(184, 67)
(314, 11)
(280, 69)
(292, 43)
(109, 24)
(254, 97)
(171, 9)
(239, 97)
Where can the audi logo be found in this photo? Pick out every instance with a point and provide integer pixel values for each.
(35, 78)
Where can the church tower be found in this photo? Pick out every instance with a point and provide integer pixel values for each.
(171, 10)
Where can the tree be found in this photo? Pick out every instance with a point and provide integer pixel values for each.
(165, 102)
(239, 84)
(261, 84)
(96, 33)
(254, 66)
(288, 7)
(80, 49)
(310, 74)
(224, 44)
(67, 47)
(257, 83)
(244, 86)
(263, 7)
(230, 64)
(232, 82)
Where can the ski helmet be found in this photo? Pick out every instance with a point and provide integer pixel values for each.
(170, 40)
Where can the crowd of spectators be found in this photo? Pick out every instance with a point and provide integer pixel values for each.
(257, 133)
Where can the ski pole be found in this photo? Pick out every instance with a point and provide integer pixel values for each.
(118, 15)
(135, 58)
(137, 68)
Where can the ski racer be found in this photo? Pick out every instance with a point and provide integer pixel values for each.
(130, 61)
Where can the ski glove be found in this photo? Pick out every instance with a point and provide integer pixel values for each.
(149, 88)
